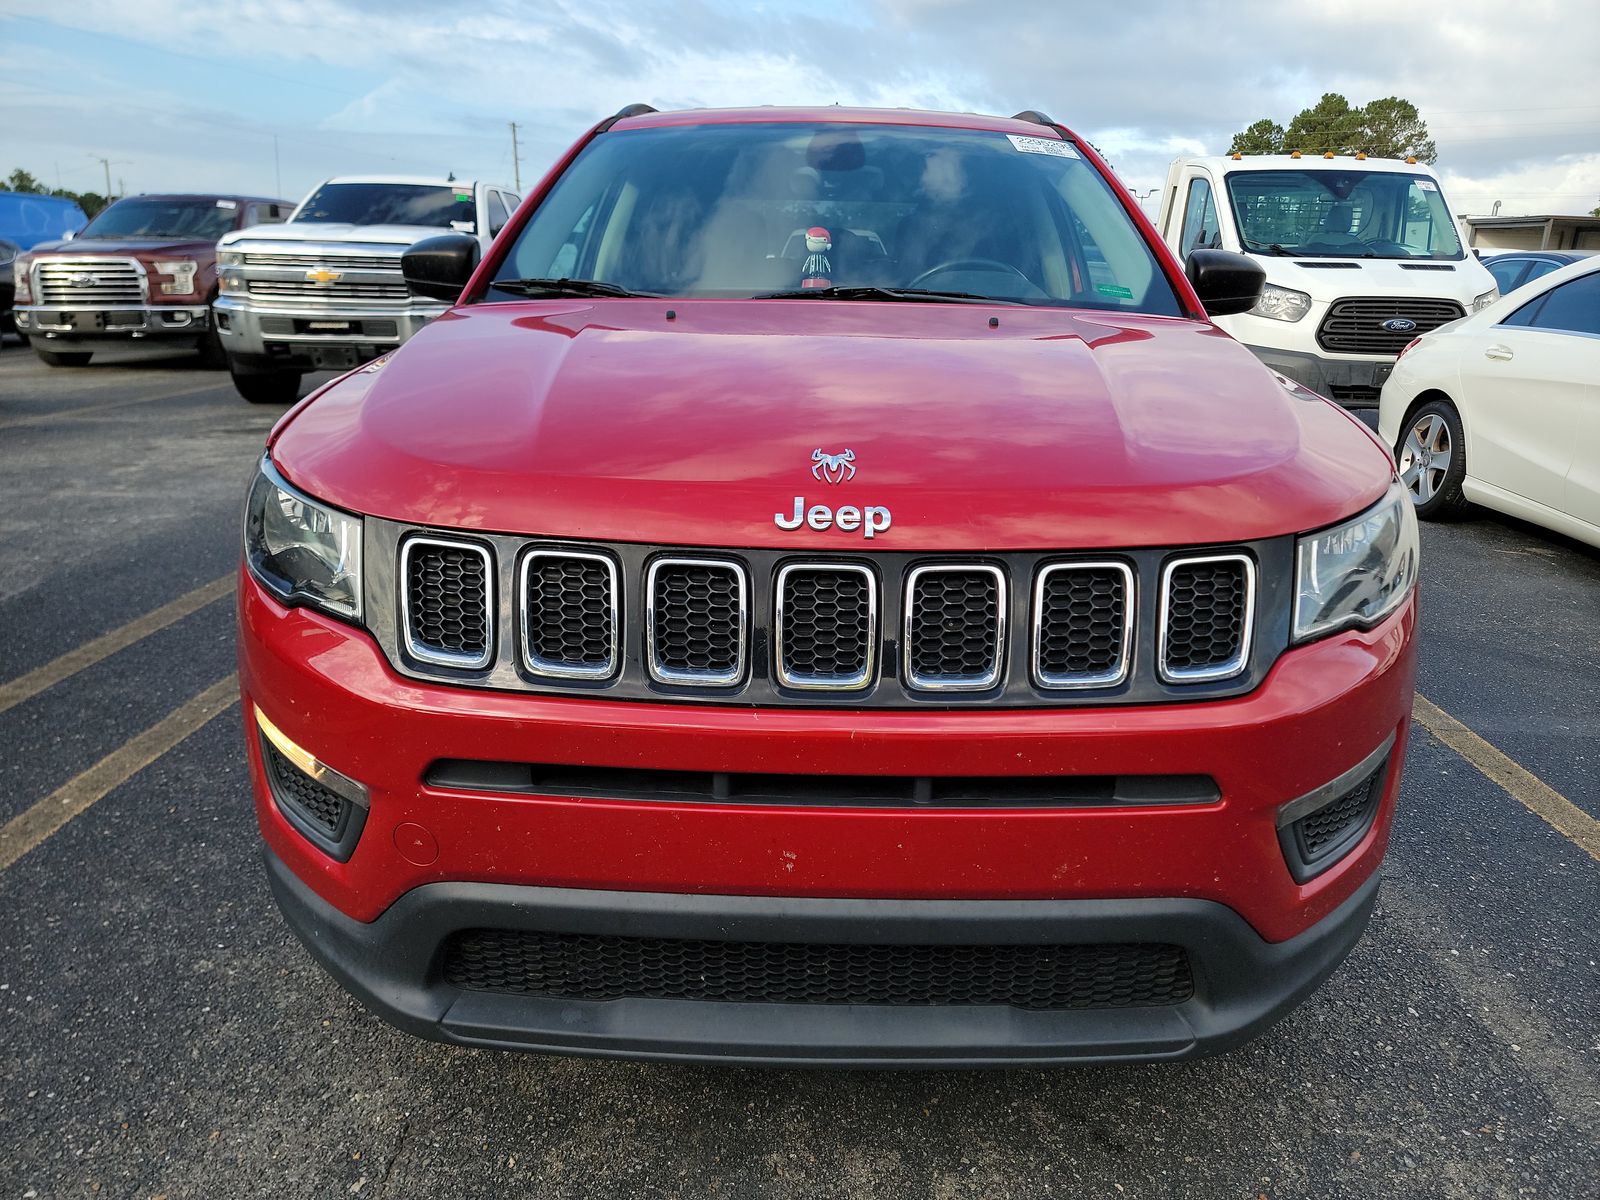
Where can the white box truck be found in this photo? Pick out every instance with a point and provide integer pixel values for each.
(1362, 255)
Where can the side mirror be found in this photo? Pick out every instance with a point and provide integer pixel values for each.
(69, 235)
(437, 268)
(1226, 282)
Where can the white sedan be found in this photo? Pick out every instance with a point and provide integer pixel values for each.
(1502, 408)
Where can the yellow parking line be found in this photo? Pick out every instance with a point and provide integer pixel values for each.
(30, 828)
(1565, 817)
(90, 409)
(25, 687)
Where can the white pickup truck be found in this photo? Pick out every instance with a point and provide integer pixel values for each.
(1362, 255)
(323, 291)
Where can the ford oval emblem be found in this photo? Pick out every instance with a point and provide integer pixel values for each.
(1398, 325)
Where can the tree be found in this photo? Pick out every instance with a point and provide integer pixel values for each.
(25, 181)
(1264, 137)
(1394, 129)
(1386, 128)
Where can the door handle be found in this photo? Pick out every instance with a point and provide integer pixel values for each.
(1498, 353)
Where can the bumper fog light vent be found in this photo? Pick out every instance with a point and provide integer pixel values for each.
(1319, 829)
(327, 808)
(601, 967)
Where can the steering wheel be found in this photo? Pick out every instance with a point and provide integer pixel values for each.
(969, 264)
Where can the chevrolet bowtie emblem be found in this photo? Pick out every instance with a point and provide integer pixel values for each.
(322, 275)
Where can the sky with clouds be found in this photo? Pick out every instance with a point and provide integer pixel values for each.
(201, 96)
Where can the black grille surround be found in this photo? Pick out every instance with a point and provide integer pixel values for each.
(581, 966)
(697, 619)
(1354, 325)
(760, 684)
(1081, 634)
(955, 626)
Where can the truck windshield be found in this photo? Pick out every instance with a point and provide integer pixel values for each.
(438, 205)
(1343, 214)
(200, 219)
(840, 211)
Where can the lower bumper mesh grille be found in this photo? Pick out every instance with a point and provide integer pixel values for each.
(601, 967)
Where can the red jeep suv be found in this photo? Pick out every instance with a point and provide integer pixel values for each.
(827, 593)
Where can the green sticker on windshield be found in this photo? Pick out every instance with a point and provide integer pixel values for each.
(468, 196)
(1112, 289)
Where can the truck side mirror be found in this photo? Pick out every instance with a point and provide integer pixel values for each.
(437, 268)
(1226, 282)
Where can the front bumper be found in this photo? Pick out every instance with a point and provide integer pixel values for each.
(321, 337)
(52, 323)
(1353, 382)
(1242, 985)
(1211, 877)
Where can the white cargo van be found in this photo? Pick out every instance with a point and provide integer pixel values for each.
(1362, 255)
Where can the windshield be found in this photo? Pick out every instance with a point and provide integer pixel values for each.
(390, 204)
(1343, 214)
(199, 220)
(744, 210)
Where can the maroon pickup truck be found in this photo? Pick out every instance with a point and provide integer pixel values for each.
(145, 268)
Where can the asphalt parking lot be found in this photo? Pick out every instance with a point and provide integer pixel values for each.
(163, 1034)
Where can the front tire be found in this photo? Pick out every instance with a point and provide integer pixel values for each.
(212, 355)
(66, 358)
(276, 387)
(1432, 459)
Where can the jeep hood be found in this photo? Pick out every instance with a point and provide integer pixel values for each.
(610, 420)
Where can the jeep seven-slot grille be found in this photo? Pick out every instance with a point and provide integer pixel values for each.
(585, 966)
(955, 627)
(1355, 326)
(1081, 631)
(1206, 617)
(763, 627)
(697, 621)
(447, 602)
(827, 625)
(569, 610)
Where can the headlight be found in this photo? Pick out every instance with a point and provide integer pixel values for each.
(230, 281)
(230, 258)
(1482, 302)
(302, 551)
(1359, 572)
(24, 284)
(1281, 304)
(182, 271)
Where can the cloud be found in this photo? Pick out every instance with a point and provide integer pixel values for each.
(415, 82)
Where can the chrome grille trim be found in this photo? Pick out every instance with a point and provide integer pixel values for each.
(1239, 661)
(955, 683)
(1063, 682)
(305, 289)
(827, 683)
(671, 675)
(559, 670)
(117, 281)
(300, 262)
(421, 651)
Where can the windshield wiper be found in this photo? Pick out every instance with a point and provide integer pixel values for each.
(1273, 247)
(874, 292)
(564, 287)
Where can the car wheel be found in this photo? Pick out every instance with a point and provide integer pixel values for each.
(1432, 458)
(66, 358)
(278, 387)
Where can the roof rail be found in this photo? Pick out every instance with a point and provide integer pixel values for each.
(1033, 116)
(623, 113)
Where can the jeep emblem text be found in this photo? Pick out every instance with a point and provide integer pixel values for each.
(871, 520)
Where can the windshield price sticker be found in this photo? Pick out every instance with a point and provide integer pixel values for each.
(1427, 185)
(1033, 145)
(227, 204)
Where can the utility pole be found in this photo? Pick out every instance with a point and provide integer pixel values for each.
(108, 163)
(516, 159)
